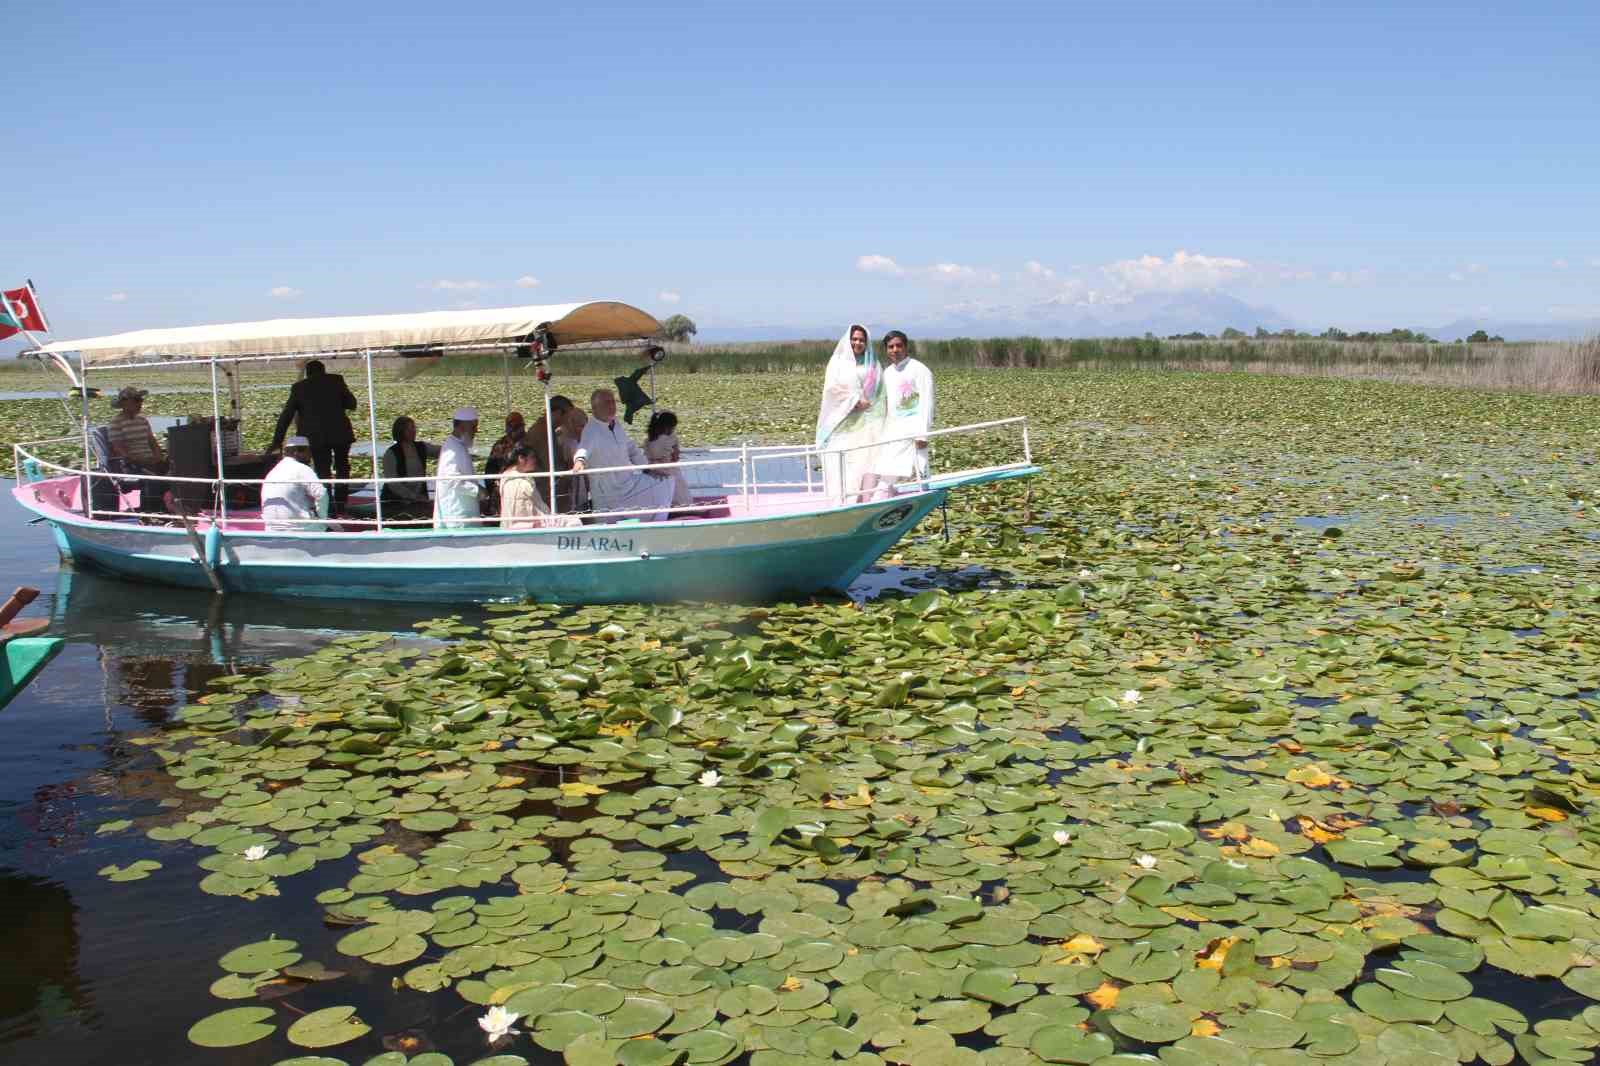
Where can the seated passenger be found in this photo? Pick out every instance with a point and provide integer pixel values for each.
(292, 493)
(499, 460)
(538, 439)
(134, 442)
(604, 445)
(661, 446)
(521, 506)
(406, 457)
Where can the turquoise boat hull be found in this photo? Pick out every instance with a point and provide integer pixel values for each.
(23, 658)
(763, 556)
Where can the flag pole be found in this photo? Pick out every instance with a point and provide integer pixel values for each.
(77, 383)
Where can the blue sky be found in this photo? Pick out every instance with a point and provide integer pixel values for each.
(748, 164)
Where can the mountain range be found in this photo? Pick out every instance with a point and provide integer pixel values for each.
(1162, 314)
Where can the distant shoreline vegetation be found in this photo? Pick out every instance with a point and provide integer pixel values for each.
(1398, 355)
(1540, 366)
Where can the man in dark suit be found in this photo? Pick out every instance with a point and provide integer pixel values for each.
(317, 406)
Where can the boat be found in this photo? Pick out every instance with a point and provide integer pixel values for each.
(764, 528)
(25, 652)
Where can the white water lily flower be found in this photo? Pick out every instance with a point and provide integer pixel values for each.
(1508, 721)
(1146, 862)
(1237, 865)
(255, 853)
(1176, 567)
(1131, 697)
(1061, 836)
(1086, 573)
(711, 779)
(1139, 747)
(497, 1023)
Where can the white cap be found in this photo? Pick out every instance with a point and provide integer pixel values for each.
(465, 414)
(296, 442)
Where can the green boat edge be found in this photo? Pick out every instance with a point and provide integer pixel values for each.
(24, 657)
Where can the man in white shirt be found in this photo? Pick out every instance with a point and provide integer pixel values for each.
(908, 386)
(293, 493)
(455, 503)
(604, 444)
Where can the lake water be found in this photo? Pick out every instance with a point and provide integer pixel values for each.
(97, 972)
(100, 972)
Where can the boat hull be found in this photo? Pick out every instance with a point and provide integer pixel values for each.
(760, 558)
(20, 659)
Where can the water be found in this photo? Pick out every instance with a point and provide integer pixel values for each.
(97, 972)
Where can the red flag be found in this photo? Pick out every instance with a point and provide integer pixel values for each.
(24, 308)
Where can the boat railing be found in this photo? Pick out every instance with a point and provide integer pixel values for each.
(742, 497)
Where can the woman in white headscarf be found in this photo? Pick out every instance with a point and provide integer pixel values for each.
(851, 418)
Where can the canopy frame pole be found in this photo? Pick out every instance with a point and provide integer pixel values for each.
(550, 442)
(652, 388)
(216, 436)
(372, 429)
(505, 377)
(88, 479)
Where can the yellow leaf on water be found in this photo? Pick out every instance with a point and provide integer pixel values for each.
(581, 788)
(509, 781)
(791, 983)
(1257, 848)
(1314, 830)
(1204, 1027)
(1083, 944)
(1311, 776)
(1104, 997)
(1216, 953)
(1548, 814)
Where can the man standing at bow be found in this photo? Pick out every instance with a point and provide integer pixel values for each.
(292, 496)
(909, 388)
(455, 503)
(604, 444)
(317, 405)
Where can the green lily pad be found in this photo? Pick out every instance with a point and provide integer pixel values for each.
(327, 1027)
(233, 1028)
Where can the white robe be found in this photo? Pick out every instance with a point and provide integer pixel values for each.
(604, 445)
(660, 451)
(845, 435)
(455, 503)
(909, 388)
(292, 491)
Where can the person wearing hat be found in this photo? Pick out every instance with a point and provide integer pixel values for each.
(134, 442)
(456, 502)
(317, 405)
(131, 437)
(293, 497)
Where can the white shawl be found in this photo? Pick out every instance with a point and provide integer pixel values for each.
(842, 386)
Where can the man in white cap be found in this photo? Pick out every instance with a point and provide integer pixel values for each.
(606, 444)
(455, 503)
(293, 497)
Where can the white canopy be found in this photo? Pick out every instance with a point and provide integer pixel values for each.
(568, 324)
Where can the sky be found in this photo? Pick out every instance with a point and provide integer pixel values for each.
(1355, 164)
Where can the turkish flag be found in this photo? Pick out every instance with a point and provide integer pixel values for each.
(24, 308)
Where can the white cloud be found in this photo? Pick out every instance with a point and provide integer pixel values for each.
(1456, 275)
(1594, 261)
(1561, 264)
(285, 292)
(1350, 277)
(879, 264)
(950, 272)
(1182, 272)
(527, 281)
(1476, 268)
(118, 297)
(449, 285)
(1039, 270)
(666, 296)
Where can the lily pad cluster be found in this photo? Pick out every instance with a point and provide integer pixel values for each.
(1180, 776)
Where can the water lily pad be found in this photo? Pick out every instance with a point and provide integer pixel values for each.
(327, 1027)
(233, 1028)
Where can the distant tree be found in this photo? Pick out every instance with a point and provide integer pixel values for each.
(1478, 336)
(1497, 339)
(678, 328)
(1334, 333)
(1231, 334)
(1195, 335)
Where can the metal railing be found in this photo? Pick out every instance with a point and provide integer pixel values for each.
(744, 456)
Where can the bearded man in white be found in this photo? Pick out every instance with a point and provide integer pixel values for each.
(292, 493)
(606, 444)
(455, 503)
(908, 386)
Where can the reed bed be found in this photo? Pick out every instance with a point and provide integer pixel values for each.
(1568, 367)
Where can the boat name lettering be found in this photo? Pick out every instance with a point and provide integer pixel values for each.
(575, 542)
